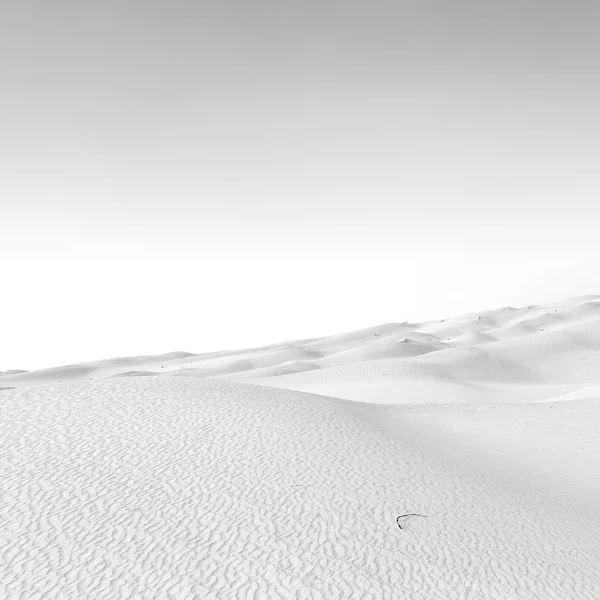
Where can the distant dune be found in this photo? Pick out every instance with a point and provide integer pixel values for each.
(447, 460)
(507, 355)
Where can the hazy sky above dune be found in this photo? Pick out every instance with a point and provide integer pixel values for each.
(208, 175)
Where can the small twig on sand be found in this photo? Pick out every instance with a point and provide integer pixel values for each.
(408, 515)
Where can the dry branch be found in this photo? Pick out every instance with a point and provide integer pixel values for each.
(408, 515)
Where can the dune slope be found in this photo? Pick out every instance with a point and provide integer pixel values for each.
(175, 487)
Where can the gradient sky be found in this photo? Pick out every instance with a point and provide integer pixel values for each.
(208, 175)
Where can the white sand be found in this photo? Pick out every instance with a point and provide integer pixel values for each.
(287, 483)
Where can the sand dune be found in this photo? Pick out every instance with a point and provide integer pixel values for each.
(161, 477)
(507, 354)
(176, 487)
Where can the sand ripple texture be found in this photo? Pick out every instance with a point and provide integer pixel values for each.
(177, 488)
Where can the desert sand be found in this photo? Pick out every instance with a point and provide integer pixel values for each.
(281, 471)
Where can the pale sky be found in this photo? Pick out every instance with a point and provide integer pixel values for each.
(215, 175)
